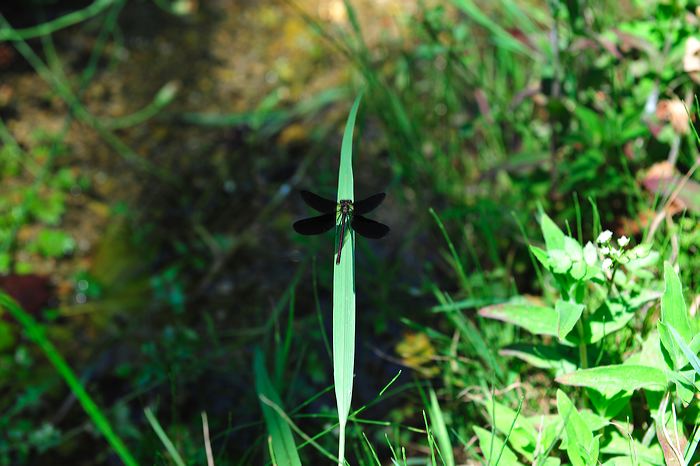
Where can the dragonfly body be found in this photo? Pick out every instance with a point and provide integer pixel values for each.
(344, 214)
(345, 210)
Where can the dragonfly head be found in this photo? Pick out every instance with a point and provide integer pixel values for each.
(345, 206)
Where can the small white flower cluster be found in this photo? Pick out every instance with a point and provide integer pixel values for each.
(612, 255)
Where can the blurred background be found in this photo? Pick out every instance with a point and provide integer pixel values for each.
(151, 154)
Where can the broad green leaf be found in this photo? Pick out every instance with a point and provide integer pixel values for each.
(573, 248)
(690, 355)
(554, 238)
(594, 421)
(559, 260)
(543, 357)
(551, 431)
(494, 448)
(581, 446)
(280, 432)
(568, 313)
(541, 255)
(522, 435)
(539, 320)
(622, 377)
(550, 461)
(673, 313)
(626, 461)
(578, 269)
(609, 406)
(607, 319)
(650, 354)
(344, 290)
(437, 423)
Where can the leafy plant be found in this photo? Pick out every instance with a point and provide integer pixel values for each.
(600, 293)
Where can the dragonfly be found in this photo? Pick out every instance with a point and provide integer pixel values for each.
(342, 213)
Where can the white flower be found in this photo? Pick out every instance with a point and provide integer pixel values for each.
(623, 241)
(590, 256)
(604, 237)
(607, 264)
(605, 250)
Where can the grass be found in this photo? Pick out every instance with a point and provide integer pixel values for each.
(38, 337)
(489, 122)
(344, 291)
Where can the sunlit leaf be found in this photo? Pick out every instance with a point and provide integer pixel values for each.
(581, 445)
(539, 320)
(612, 379)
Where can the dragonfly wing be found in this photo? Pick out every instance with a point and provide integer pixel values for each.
(319, 203)
(315, 225)
(367, 205)
(369, 228)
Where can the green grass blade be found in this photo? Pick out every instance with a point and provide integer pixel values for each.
(282, 443)
(455, 257)
(689, 353)
(167, 443)
(57, 24)
(36, 334)
(437, 422)
(344, 293)
(499, 34)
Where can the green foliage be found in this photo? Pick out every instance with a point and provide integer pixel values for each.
(53, 243)
(439, 428)
(34, 198)
(606, 292)
(283, 448)
(483, 112)
(37, 335)
(581, 446)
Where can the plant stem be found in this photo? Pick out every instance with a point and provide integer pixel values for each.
(582, 347)
(341, 445)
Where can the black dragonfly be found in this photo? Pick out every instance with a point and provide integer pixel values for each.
(342, 213)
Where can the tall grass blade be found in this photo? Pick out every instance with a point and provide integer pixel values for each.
(689, 353)
(500, 35)
(344, 293)
(282, 441)
(167, 443)
(437, 422)
(36, 334)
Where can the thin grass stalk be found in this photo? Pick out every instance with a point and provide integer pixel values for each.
(36, 333)
(167, 443)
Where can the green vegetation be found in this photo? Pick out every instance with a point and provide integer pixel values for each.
(535, 302)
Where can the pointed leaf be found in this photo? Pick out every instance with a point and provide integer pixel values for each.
(521, 434)
(581, 446)
(283, 446)
(539, 320)
(554, 238)
(673, 313)
(492, 447)
(541, 356)
(344, 291)
(437, 424)
(568, 313)
(622, 377)
(689, 353)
